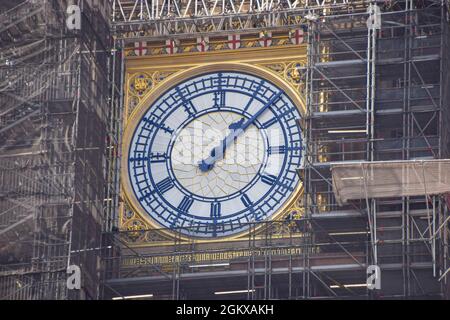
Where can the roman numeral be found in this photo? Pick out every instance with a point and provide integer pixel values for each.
(256, 92)
(185, 204)
(158, 157)
(269, 179)
(277, 150)
(219, 99)
(188, 106)
(246, 201)
(148, 195)
(165, 185)
(159, 126)
(215, 210)
(154, 157)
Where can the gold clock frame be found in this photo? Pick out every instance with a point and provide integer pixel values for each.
(264, 65)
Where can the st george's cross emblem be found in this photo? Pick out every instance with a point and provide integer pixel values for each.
(202, 44)
(171, 46)
(234, 41)
(265, 39)
(140, 48)
(296, 36)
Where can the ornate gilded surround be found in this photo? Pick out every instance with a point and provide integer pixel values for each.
(146, 75)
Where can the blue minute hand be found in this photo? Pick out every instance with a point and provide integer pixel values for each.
(237, 129)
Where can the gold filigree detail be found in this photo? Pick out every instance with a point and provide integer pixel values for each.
(135, 229)
(188, 48)
(294, 73)
(142, 234)
(282, 42)
(159, 76)
(278, 68)
(287, 225)
(250, 44)
(140, 84)
(157, 51)
(132, 103)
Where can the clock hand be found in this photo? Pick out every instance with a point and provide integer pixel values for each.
(218, 152)
(237, 129)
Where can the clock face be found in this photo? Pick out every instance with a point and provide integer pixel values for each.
(215, 153)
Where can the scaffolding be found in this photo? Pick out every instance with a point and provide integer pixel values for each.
(151, 20)
(377, 90)
(387, 179)
(378, 94)
(374, 93)
(59, 128)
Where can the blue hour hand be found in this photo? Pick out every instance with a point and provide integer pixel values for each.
(208, 163)
(218, 152)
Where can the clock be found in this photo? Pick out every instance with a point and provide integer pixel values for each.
(213, 150)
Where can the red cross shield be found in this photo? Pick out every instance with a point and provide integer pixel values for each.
(171, 46)
(296, 36)
(234, 41)
(202, 44)
(140, 48)
(265, 39)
